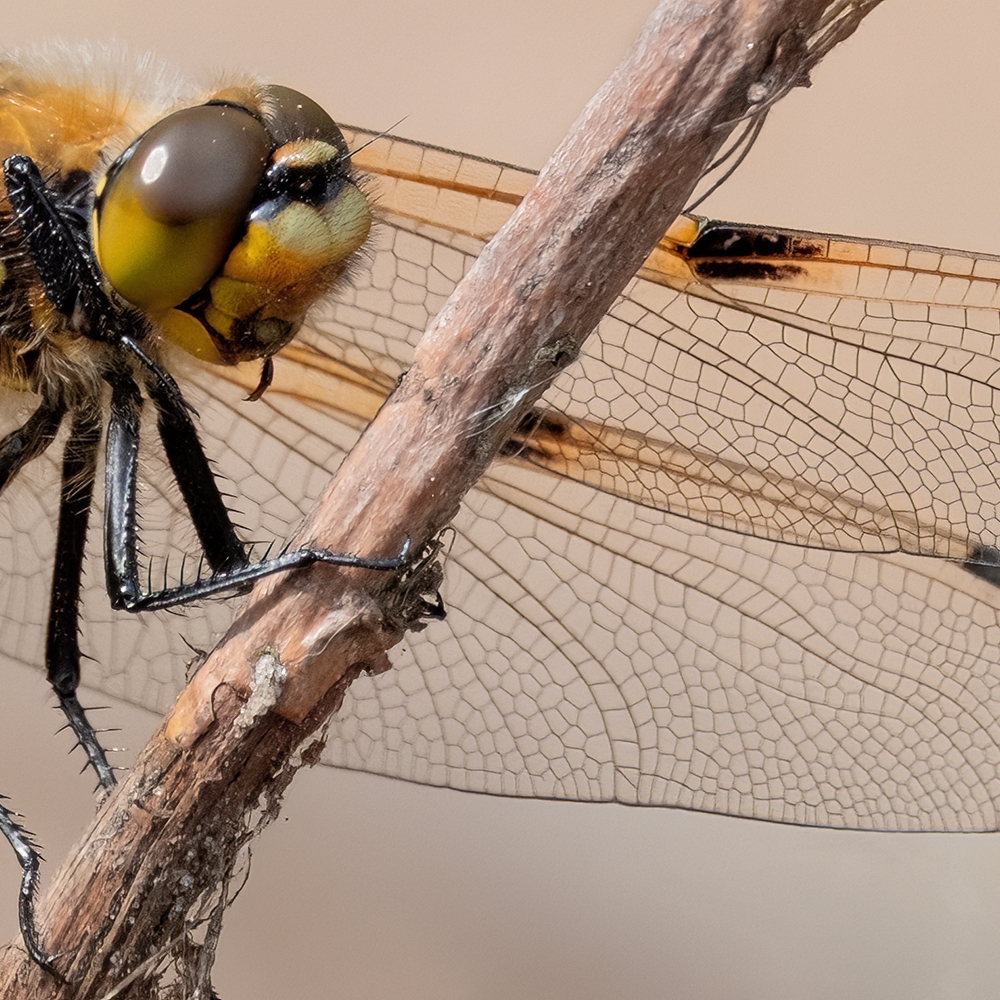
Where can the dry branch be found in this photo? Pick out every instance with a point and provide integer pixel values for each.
(163, 844)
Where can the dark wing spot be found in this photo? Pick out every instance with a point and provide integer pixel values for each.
(747, 270)
(533, 425)
(731, 241)
(721, 241)
(984, 561)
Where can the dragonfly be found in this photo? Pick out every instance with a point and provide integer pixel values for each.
(841, 675)
(655, 457)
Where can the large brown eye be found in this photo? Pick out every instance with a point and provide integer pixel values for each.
(172, 206)
(292, 116)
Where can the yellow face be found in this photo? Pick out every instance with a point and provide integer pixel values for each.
(225, 222)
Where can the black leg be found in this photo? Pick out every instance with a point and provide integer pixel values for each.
(222, 546)
(16, 449)
(56, 232)
(121, 565)
(22, 445)
(49, 233)
(62, 648)
(223, 549)
(62, 652)
(29, 859)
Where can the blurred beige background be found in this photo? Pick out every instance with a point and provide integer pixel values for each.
(368, 888)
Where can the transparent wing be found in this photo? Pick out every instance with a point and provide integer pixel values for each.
(596, 651)
(817, 390)
(694, 579)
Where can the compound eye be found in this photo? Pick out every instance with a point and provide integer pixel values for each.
(172, 206)
(292, 116)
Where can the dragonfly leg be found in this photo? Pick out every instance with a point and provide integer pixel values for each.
(231, 567)
(20, 446)
(16, 449)
(62, 657)
(62, 648)
(55, 230)
(29, 860)
(56, 238)
(209, 514)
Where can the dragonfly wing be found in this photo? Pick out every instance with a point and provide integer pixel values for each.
(817, 401)
(597, 651)
(600, 647)
(869, 370)
(822, 391)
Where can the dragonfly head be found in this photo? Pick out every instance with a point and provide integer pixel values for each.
(227, 221)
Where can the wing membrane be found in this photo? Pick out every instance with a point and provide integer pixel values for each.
(693, 579)
(816, 390)
(594, 653)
